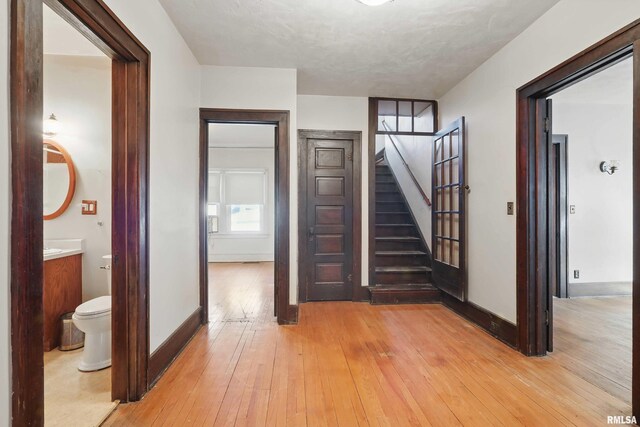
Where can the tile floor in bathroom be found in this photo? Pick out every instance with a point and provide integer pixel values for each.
(71, 397)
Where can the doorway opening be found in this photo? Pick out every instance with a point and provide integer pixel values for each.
(537, 258)
(591, 228)
(244, 215)
(241, 222)
(77, 226)
(129, 137)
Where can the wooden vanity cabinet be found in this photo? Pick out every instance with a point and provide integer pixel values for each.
(62, 293)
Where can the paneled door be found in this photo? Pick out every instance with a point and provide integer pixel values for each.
(449, 191)
(326, 232)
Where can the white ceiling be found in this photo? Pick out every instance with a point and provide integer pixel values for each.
(613, 86)
(60, 38)
(241, 136)
(409, 48)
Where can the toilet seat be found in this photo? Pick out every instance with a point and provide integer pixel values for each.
(95, 307)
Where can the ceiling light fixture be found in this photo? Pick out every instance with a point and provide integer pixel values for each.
(374, 2)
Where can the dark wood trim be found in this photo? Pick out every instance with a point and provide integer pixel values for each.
(167, 352)
(635, 382)
(359, 291)
(27, 328)
(130, 136)
(532, 195)
(373, 127)
(280, 119)
(494, 325)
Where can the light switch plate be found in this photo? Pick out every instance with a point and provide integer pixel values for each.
(572, 209)
(510, 208)
(89, 207)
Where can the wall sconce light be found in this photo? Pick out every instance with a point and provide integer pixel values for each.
(609, 167)
(51, 126)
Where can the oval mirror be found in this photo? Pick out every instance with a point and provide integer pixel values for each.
(59, 177)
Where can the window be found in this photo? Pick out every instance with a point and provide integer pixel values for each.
(245, 218)
(237, 198)
(406, 116)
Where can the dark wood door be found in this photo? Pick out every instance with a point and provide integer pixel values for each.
(449, 192)
(329, 204)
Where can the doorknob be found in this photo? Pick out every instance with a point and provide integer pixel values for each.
(311, 233)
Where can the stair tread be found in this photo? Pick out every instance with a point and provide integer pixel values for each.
(395, 225)
(399, 238)
(392, 213)
(399, 269)
(393, 253)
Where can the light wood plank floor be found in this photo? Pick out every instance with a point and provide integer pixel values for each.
(592, 339)
(353, 364)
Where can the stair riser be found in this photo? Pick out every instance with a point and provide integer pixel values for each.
(384, 178)
(398, 246)
(391, 207)
(386, 186)
(396, 231)
(401, 260)
(394, 218)
(405, 297)
(402, 278)
(383, 169)
(389, 197)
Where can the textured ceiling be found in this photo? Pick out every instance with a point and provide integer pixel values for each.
(418, 48)
(613, 86)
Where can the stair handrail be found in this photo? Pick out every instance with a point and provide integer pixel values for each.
(406, 165)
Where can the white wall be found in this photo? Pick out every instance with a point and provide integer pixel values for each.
(600, 233)
(5, 212)
(487, 97)
(235, 247)
(173, 228)
(343, 113)
(269, 89)
(78, 90)
(417, 152)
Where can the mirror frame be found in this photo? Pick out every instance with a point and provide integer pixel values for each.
(72, 180)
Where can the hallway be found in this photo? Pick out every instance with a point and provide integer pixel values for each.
(356, 364)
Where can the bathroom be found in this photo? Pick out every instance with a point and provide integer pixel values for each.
(77, 221)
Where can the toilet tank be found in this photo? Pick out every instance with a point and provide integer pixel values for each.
(107, 267)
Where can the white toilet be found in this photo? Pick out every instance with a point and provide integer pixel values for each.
(94, 319)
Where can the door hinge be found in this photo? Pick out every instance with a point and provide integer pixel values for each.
(546, 317)
(547, 124)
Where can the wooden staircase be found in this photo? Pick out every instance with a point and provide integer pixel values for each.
(403, 273)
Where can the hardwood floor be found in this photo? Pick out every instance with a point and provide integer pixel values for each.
(354, 364)
(592, 339)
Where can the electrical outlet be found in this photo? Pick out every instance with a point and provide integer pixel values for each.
(576, 274)
(510, 208)
(572, 209)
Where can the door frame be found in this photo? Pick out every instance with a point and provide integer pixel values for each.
(560, 255)
(130, 145)
(359, 292)
(532, 195)
(286, 313)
